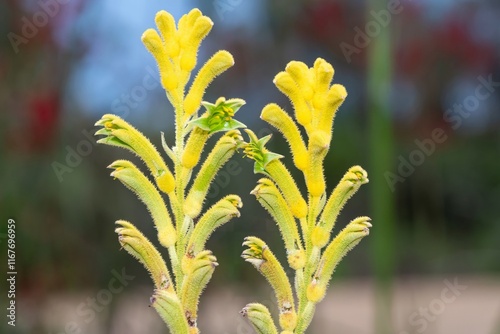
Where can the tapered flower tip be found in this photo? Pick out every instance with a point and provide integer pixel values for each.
(152, 40)
(356, 174)
(322, 66)
(203, 259)
(112, 126)
(254, 252)
(106, 118)
(124, 227)
(120, 164)
(253, 307)
(358, 228)
(235, 200)
(262, 184)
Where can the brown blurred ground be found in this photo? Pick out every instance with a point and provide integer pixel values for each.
(348, 308)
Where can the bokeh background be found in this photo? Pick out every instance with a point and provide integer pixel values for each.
(415, 119)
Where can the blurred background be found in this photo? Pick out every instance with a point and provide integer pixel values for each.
(422, 117)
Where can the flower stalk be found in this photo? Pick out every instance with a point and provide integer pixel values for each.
(175, 49)
(305, 226)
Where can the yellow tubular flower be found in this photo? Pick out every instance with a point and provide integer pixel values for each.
(305, 318)
(219, 214)
(278, 118)
(194, 283)
(220, 62)
(120, 133)
(194, 147)
(346, 240)
(334, 98)
(169, 307)
(319, 143)
(285, 83)
(271, 199)
(323, 73)
(166, 25)
(154, 44)
(137, 245)
(132, 178)
(260, 318)
(300, 74)
(259, 255)
(221, 153)
(280, 174)
(190, 42)
(186, 22)
(347, 187)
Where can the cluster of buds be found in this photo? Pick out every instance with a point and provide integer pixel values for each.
(305, 226)
(175, 49)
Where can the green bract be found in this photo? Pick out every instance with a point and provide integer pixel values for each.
(219, 116)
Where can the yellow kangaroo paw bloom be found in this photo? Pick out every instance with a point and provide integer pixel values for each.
(220, 62)
(305, 317)
(120, 133)
(219, 214)
(194, 147)
(280, 174)
(301, 75)
(137, 245)
(190, 42)
(169, 307)
(334, 98)
(278, 118)
(154, 44)
(261, 257)
(187, 21)
(346, 240)
(260, 318)
(319, 144)
(323, 73)
(202, 268)
(271, 199)
(166, 25)
(285, 83)
(222, 152)
(352, 180)
(268, 163)
(132, 178)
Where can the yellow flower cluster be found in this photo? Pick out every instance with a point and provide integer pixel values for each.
(315, 101)
(175, 49)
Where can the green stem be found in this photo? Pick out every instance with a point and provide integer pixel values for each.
(175, 265)
(179, 191)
